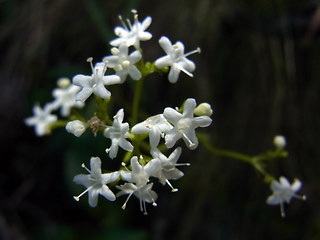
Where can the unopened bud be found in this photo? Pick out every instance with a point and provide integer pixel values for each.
(63, 82)
(76, 127)
(279, 141)
(203, 109)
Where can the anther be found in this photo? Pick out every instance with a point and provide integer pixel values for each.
(84, 166)
(198, 50)
(172, 188)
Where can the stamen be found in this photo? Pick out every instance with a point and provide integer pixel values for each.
(129, 24)
(198, 50)
(77, 198)
(125, 203)
(124, 165)
(84, 166)
(177, 109)
(282, 210)
(89, 60)
(184, 70)
(191, 144)
(107, 150)
(182, 164)
(141, 161)
(172, 188)
(303, 197)
(122, 22)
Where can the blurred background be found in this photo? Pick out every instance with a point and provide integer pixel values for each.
(259, 69)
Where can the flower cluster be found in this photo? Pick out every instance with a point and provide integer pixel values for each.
(146, 160)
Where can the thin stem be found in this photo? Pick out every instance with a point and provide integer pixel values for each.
(224, 153)
(136, 101)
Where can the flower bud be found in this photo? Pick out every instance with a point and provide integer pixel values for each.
(279, 142)
(76, 127)
(63, 82)
(203, 109)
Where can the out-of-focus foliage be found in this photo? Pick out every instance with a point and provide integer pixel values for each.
(258, 69)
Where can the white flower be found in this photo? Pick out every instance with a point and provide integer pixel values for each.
(118, 133)
(168, 170)
(96, 182)
(95, 83)
(66, 99)
(76, 127)
(123, 63)
(42, 119)
(184, 124)
(176, 59)
(156, 126)
(137, 183)
(284, 192)
(132, 34)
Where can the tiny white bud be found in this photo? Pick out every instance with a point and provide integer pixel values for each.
(203, 109)
(76, 127)
(114, 51)
(63, 82)
(279, 141)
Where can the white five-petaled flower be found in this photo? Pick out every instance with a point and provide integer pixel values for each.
(167, 170)
(123, 63)
(184, 124)
(132, 34)
(283, 191)
(176, 59)
(137, 182)
(96, 182)
(66, 99)
(42, 119)
(95, 83)
(118, 133)
(156, 126)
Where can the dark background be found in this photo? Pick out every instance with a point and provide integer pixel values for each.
(259, 68)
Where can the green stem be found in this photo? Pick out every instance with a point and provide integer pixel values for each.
(136, 101)
(224, 153)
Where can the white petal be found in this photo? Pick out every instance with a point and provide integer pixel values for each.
(173, 74)
(126, 145)
(163, 62)
(95, 165)
(146, 23)
(135, 57)
(166, 45)
(171, 137)
(84, 94)
(172, 115)
(202, 121)
(189, 107)
(82, 179)
(140, 128)
(154, 137)
(284, 182)
(274, 200)
(107, 193)
(296, 185)
(134, 73)
(93, 197)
